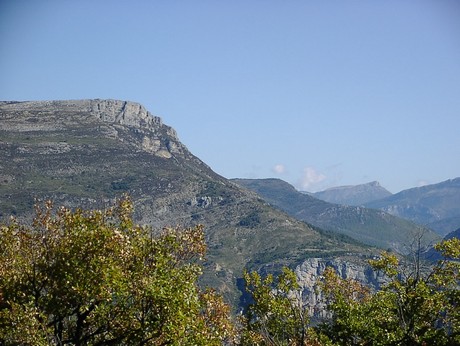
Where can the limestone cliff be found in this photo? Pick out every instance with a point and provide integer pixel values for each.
(50, 116)
(309, 273)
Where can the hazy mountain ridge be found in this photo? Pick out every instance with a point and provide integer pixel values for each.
(89, 152)
(356, 195)
(437, 205)
(434, 255)
(369, 226)
(453, 234)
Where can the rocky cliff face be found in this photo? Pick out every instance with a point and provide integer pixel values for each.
(52, 116)
(111, 111)
(309, 274)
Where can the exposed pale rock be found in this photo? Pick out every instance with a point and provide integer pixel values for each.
(309, 274)
(157, 138)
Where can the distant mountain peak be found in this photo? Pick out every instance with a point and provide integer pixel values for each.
(354, 221)
(434, 205)
(347, 187)
(354, 194)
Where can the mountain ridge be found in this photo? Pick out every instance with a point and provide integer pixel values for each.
(356, 195)
(87, 153)
(372, 227)
(436, 205)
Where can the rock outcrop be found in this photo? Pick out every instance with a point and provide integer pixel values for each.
(151, 134)
(309, 274)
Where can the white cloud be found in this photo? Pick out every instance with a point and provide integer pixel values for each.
(421, 183)
(279, 169)
(310, 178)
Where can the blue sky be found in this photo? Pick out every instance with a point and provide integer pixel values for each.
(318, 93)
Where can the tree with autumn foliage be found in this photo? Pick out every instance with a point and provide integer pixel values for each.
(419, 306)
(277, 314)
(94, 278)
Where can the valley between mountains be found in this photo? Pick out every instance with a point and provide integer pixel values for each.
(88, 153)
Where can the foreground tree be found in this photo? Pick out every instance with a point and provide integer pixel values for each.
(416, 307)
(94, 278)
(277, 315)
